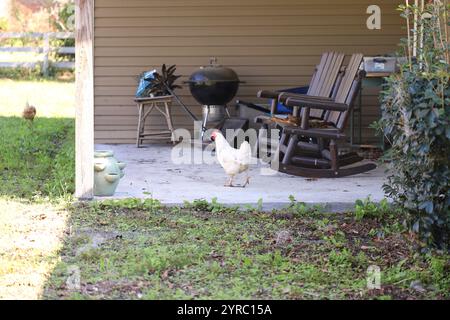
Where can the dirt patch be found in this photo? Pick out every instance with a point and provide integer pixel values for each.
(30, 237)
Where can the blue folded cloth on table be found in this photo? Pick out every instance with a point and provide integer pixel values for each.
(144, 82)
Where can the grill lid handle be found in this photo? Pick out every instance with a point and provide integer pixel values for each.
(213, 61)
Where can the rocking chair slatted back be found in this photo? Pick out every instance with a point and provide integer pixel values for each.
(325, 77)
(318, 74)
(339, 79)
(347, 89)
(350, 101)
(349, 77)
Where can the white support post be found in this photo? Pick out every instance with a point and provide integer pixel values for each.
(84, 16)
(46, 53)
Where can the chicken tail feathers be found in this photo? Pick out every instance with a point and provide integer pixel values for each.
(246, 152)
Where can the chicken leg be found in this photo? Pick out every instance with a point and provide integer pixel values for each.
(229, 182)
(247, 181)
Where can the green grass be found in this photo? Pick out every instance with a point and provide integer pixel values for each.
(52, 99)
(140, 250)
(36, 180)
(37, 159)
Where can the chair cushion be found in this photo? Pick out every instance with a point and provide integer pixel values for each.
(281, 108)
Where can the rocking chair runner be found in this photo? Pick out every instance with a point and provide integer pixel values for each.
(313, 152)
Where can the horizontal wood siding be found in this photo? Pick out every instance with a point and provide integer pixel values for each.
(271, 44)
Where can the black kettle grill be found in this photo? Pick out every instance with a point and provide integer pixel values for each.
(214, 86)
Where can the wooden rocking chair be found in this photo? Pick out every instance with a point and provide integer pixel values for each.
(321, 85)
(312, 151)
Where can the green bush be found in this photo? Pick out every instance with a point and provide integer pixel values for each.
(35, 74)
(64, 20)
(416, 120)
(24, 74)
(3, 24)
(368, 209)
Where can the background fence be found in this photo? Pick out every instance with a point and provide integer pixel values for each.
(46, 50)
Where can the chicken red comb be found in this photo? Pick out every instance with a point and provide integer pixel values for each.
(214, 134)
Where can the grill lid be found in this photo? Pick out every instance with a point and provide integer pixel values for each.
(214, 84)
(212, 74)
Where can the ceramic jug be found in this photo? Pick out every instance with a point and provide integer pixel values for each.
(107, 173)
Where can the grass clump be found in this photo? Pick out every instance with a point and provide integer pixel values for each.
(36, 160)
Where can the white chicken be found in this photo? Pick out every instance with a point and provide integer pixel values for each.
(233, 161)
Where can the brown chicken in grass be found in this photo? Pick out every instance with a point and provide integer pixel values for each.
(29, 113)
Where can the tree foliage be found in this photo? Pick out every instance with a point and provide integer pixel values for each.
(416, 120)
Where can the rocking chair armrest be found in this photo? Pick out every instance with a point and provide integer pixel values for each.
(273, 95)
(316, 104)
(286, 95)
(316, 133)
(268, 94)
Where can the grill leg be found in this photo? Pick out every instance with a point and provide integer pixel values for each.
(227, 111)
(205, 121)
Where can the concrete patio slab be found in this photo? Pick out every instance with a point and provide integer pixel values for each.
(151, 173)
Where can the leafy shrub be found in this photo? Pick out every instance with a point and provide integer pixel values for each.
(249, 208)
(202, 205)
(63, 16)
(416, 120)
(369, 209)
(35, 74)
(151, 205)
(197, 205)
(301, 209)
(3, 24)
(25, 74)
